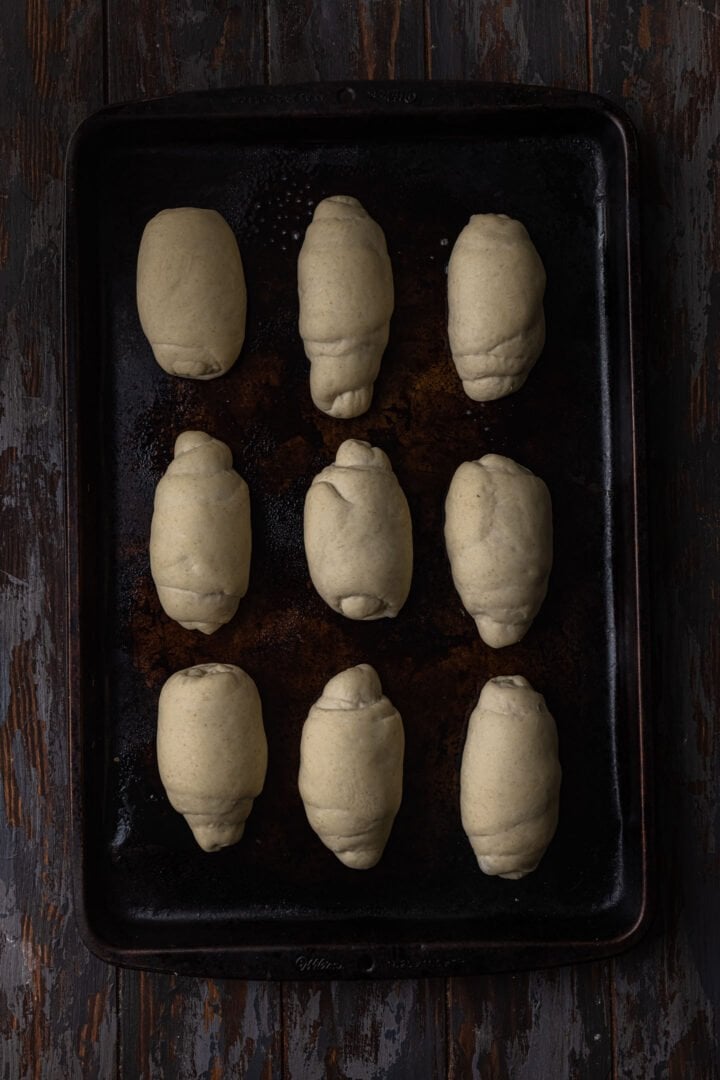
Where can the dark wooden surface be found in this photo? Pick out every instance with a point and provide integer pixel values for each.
(649, 1014)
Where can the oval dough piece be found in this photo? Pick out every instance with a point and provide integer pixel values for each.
(200, 536)
(191, 292)
(345, 288)
(498, 533)
(496, 322)
(211, 750)
(358, 534)
(351, 762)
(510, 778)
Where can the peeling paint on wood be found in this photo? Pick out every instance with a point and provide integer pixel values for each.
(58, 1002)
(359, 40)
(513, 41)
(377, 1031)
(172, 45)
(541, 1024)
(188, 1028)
(661, 62)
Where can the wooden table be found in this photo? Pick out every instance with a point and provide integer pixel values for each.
(649, 1013)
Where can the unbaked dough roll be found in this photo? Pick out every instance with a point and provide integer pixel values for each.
(498, 532)
(358, 534)
(191, 293)
(510, 778)
(200, 535)
(496, 323)
(345, 288)
(211, 750)
(351, 764)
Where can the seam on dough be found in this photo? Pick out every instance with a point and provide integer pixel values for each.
(507, 829)
(348, 343)
(201, 349)
(329, 484)
(194, 592)
(369, 828)
(524, 359)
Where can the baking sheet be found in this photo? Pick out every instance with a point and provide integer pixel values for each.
(421, 158)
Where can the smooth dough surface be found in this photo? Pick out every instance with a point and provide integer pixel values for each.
(345, 289)
(211, 750)
(510, 778)
(496, 322)
(498, 533)
(191, 292)
(200, 536)
(358, 534)
(351, 765)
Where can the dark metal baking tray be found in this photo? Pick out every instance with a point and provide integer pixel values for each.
(421, 157)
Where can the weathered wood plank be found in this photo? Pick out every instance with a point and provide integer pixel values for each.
(370, 1030)
(160, 48)
(661, 62)
(57, 1002)
(186, 1028)
(553, 1023)
(517, 41)
(172, 1026)
(360, 40)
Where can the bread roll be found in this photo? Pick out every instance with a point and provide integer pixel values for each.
(345, 289)
(191, 293)
(211, 749)
(496, 322)
(510, 778)
(498, 532)
(351, 763)
(358, 534)
(200, 534)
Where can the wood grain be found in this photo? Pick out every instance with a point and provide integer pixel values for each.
(187, 1028)
(321, 39)
(661, 63)
(160, 48)
(515, 41)
(57, 1003)
(540, 1024)
(387, 1031)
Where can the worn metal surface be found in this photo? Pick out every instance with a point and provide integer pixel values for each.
(655, 1011)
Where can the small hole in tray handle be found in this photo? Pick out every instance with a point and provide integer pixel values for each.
(365, 963)
(346, 96)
